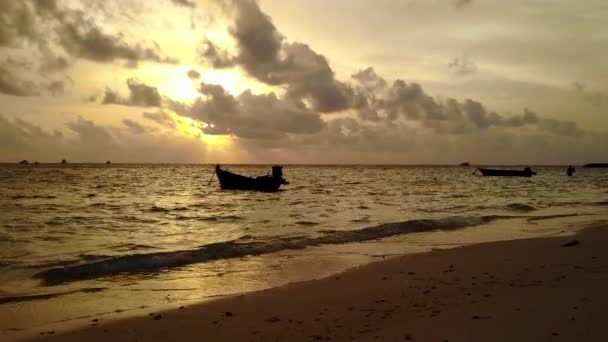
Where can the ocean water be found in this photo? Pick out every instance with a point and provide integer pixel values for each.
(82, 241)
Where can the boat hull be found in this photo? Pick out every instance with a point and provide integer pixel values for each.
(506, 173)
(232, 181)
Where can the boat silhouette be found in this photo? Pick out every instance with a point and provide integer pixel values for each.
(268, 183)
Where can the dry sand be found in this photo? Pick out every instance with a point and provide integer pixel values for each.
(523, 290)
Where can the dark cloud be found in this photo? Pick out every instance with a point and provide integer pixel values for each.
(249, 116)
(85, 40)
(56, 88)
(462, 3)
(193, 74)
(161, 118)
(134, 127)
(140, 95)
(41, 22)
(560, 127)
(185, 3)
(217, 57)
(10, 84)
(17, 23)
(376, 101)
(14, 83)
(266, 56)
(462, 66)
(369, 80)
(595, 98)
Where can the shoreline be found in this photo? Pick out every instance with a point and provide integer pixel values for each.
(530, 289)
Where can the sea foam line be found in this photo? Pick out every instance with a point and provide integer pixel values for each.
(149, 262)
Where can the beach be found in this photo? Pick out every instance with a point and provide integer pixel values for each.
(540, 289)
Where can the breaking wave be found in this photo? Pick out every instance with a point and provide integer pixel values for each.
(243, 247)
(520, 207)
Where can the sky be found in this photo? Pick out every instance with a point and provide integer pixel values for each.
(304, 81)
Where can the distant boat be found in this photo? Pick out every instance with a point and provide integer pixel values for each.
(24, 162)
(63, 161)
(108, 162)
(527, 172)
(268, 183)
(596, 165)
(465, 164)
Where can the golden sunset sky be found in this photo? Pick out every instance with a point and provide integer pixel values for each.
(304, 81)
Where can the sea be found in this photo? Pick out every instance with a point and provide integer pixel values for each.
(90, 241)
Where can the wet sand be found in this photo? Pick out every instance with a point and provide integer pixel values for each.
(549, 289)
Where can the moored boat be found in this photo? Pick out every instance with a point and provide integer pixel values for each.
(527, 172)
(596, 165)
(269, 183)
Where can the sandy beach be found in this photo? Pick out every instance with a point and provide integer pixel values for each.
(546, 289)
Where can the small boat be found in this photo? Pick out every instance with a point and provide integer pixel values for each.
(465, 164)
(596, 165)
(527, 172)
(268, 183)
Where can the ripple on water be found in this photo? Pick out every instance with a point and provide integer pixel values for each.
(307, 223)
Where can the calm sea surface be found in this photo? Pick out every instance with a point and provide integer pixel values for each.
(82, 241)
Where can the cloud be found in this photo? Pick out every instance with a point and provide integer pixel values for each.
(42, 23)
(10, 84)
(92, 133)
(140, 95)
(595, 98)
(134, 127)
(462, 66)
(248, 115)
(84, 40)
(185, 3)
(310, 86)
(217, 57)
(87, 141)
(193, 74)
(462, 3)
(265, 55)
(14, 83)
(160, 117)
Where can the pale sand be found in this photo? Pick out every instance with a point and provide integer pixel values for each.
(523, 290)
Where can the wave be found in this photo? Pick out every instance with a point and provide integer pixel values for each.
(548, 217)
(520, 207)
(32, 197)
(44, 296)
(150, 262)
(5, 264)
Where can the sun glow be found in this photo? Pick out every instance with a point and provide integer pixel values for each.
(188, 127)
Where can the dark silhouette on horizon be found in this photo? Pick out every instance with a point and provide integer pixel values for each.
(268, 183)
(570, 170)
(527, 172)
